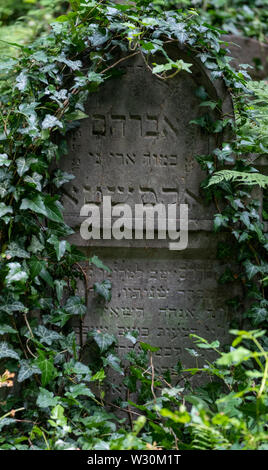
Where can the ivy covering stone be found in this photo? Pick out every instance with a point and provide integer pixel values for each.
(54, 401)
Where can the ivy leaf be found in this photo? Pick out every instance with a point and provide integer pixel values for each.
(58, 419)
(46, 399)
(22, 165)
(36, 265)
(220, 220)
(99, 264)
(73, 64)
(258, 313)
(7, 351)
(178, 64)
(104, 289)
(34, 181)
(236, 356)
(245, 219)
(27, 369)
(95, 77)
(132, 336)
(60, 246)
(51, 121)
(44, 274)
(15, 273)
(52, 209)
(36, 205)
(14, 250)
(201, 93)
(6, 422)
(15, 306)
(61, 177)
(60, 284)
(21, 81)
(114, 362)
(46, 336)
(79, 389)
(103, 340)
(251, 269)
(35, 246)
(148, 347)
(4, 161)
(5, 329)
(47, 368)
(75, 306)
(76, 116)
(5, 209)
(44, 205)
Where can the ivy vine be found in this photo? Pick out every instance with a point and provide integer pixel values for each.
(43, 92)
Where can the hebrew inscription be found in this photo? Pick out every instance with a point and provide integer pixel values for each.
(165, 298)
(137, 145)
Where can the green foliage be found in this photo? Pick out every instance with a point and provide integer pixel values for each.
(247, 18)
(22, 20)
(240, 177)
(44, 89)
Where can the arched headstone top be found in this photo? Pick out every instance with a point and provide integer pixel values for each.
(138, 144)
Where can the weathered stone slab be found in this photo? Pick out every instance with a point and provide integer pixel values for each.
(163, 295)
(137, 146)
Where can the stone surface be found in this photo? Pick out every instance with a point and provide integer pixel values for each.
(137, 146)
(249, 51)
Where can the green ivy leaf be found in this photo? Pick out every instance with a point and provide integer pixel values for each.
(44, 205)
(104, 289)
(15, 273)
(35, 246)
(4, 161)
(148, 347)
(47, 368)
(15, 306)
(103, 340)
(51, 121)
(79, 389)
(60, 246)
(220, 221)
(27, 369)
(22, 165)
(236, 356)
(75, 306)
(132, 336)
(7, 351)
(5, 209)
(251, 269)
(258, 312)
(99, 264)
(36, 266)
(61, 177)
(21, 81)
(14, 250)
(46, 336)
(114, 362)
(5, 329)
(46, 399)
(34, 181)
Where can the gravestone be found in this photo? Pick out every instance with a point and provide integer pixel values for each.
(137, 146)
(248, 51)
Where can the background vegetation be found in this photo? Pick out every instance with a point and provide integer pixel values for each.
(50, 398)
